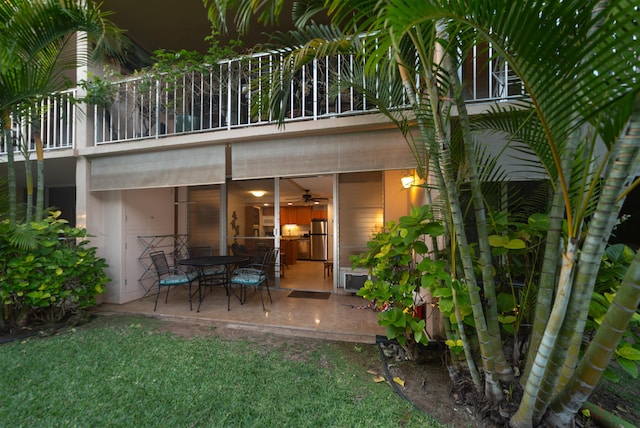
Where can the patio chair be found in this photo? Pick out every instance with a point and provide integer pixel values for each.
(242, 250)
(254, 275)
(214, 275)
(170, 276)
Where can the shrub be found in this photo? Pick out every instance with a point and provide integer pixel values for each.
(396, 280)
(47, 271)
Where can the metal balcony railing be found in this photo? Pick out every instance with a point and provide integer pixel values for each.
(227, 97)
(52, 120)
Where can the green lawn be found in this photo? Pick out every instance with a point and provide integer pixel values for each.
(121, 371)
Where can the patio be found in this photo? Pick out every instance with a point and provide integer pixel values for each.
(342, 317)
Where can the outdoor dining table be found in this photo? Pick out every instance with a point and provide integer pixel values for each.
(201, 264)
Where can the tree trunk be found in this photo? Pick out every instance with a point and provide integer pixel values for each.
(599, 352)
(503, 369)
(29, 180)
(622, 171)
(11, 171)
(39, 215)
(548, 277)
(524, 416)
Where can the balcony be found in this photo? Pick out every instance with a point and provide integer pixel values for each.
(227, 97)
(54, 124)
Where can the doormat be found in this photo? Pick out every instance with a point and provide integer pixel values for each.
(309, 294)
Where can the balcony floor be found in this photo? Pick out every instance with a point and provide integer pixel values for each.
(343, 317)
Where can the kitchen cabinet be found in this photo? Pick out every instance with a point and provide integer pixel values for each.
(303, 215)
(285, 215)
(289, 248)
(319, 214)
(295, 215)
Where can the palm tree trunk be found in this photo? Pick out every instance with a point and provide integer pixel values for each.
(524, 416)
(473, 370)
(503, 368)
(11, 170)
(39, 214)
(441, 166)
(565, 359)
(548, 277)
(599, 352)
(29, 182)
(622, 171)
(560, 350)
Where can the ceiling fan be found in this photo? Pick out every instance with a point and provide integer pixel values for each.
(307, 198)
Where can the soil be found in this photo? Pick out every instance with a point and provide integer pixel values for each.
(426, 382)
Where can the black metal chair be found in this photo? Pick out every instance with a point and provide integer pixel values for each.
(169, 276)
(212, 275)
(255, 275)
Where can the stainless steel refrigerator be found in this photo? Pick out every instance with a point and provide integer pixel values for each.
(319, 240)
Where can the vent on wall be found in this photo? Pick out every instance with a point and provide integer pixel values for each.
(353, 280)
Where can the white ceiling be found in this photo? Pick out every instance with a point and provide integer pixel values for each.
(291, 189)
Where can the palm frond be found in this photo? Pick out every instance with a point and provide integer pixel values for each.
(523, 203)
(23, 237)
(304, 11)
(299, 48)
(570, 39)
(34, 61)
(524, 135)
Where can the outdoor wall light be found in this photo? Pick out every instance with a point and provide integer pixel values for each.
(407, 181)
(258, 193)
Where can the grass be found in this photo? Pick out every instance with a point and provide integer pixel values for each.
(123, 372)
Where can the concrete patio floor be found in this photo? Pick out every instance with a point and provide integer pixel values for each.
(342, 317)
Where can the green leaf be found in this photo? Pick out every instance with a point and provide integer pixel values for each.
(434, 229)
(611, 375)
(505, 302)
(499, 251)
(446, 306)
(442, 292)
(516, 244)
(539, 222)
(498, 240)
(420, 247)
(629, 353)
(509, 319)
(629, 366)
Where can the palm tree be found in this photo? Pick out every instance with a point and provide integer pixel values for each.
(36, 47)
(578, 61)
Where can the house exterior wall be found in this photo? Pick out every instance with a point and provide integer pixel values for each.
(118, 219)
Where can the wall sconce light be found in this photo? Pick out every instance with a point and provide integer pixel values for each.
(407, 181)
(258, 193)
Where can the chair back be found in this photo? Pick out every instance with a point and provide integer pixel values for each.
(239, 250)
(259, 254)
(204, 251)
(261, 261)
(159, 260)
(271, 262)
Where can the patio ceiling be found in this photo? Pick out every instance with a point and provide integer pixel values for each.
(167, 24)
